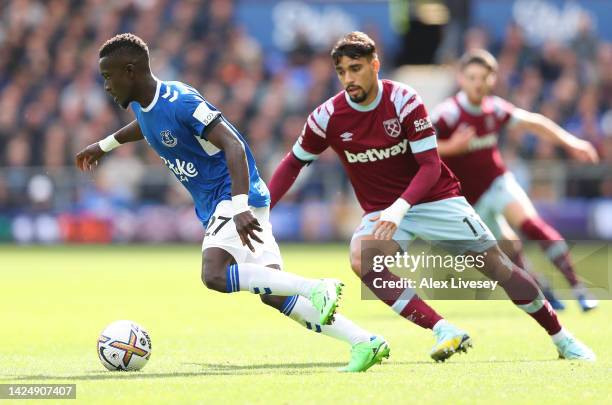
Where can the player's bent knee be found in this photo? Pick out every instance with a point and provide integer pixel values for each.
(356, 255)
(362, 261)
(214, 281)
(498, 266)
(213, 276)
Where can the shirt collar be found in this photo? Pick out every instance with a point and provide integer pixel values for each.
(370, 106)
(463, 100)
(152, 104)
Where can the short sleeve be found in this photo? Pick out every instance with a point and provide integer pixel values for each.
(197, 114)
(444, 118)
(313, 140)
(413, 118)
(309, 145)
(504, 111)
(419, 128)
(442, 129)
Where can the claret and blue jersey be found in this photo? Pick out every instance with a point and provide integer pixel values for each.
(174, 125)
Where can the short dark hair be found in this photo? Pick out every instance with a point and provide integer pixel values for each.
(355, 45)
(125, 42)
(479, 57)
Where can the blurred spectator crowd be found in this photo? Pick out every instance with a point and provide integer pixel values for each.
(52, 102)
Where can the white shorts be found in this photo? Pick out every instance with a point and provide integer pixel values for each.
(491, 205)
(451, 224)
(221, 232)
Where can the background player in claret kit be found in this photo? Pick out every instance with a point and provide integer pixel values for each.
(387, 144)
(214, 163)
(468, 125)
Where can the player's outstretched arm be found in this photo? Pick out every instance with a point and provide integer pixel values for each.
(545, 128)
(88, 158)
(225, 139)
(284, 176)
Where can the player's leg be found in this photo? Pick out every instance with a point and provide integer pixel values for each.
(504, 235)
(219, 275)
(454, 225)
(303, 312)
(521, 214)
(367, 347)
(490, 209)
(524, 293)
(223, 244)
(512, 247)
(487, 208)
(405, 302)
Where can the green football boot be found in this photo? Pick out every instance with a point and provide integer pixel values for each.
(364, 355)
(325, 296)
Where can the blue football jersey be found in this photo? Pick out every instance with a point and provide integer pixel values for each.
(173, 124)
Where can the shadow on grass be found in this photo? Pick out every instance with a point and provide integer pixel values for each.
(114, 376)
(276, 367)
(207, 370)
(210, 369)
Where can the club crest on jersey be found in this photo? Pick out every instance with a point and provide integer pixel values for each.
(392, 127)
(168, 139)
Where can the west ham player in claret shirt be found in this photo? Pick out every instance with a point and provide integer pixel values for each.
(382, 133)
(468, 125)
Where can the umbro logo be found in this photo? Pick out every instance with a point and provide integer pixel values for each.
(347, 136)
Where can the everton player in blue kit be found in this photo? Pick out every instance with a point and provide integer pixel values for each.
(214, 163)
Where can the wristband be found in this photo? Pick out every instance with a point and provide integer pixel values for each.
(395, 212)
(109, 143)
(240, 203)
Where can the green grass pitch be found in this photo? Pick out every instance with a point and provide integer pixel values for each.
(215, 348)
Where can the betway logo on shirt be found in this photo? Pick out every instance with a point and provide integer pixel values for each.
(372, 155)
(483, 142)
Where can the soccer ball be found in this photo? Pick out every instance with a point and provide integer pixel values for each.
(124, 345)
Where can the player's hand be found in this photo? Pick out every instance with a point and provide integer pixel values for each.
(461, 138)
(383, 230)
(583, 151)
(89, 157)
(389, 219)
(247, 225)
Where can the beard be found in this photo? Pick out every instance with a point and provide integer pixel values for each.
(360, 97)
